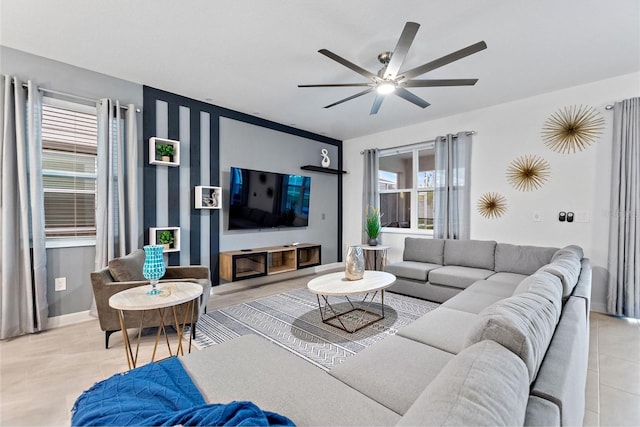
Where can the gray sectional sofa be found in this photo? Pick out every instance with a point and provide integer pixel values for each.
(508, 346)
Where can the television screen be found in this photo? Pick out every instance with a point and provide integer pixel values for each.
(260, 199)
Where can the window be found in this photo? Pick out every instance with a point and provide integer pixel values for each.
(406, 183)
(69, 168)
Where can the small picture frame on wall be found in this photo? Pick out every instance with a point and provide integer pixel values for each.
(208, 197)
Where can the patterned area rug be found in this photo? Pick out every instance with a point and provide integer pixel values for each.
(292, 320)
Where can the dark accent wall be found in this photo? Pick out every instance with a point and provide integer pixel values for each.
(169, 191)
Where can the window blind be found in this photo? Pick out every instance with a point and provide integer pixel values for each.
(69, 169)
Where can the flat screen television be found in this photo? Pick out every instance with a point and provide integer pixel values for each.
(261, 199)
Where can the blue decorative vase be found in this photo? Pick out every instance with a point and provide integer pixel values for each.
(153, 268)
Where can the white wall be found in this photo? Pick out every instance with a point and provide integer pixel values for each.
(579, 182)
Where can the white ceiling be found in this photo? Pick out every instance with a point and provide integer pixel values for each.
(250, 55)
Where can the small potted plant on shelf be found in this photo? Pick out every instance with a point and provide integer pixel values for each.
(166, 238)
(372, 226)
(165, 152)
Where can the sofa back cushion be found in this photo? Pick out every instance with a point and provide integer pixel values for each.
(544, 284)
(566, 266)
(484, 385)
(423, 250)
(571, 248)
(128, 268)
(522, 323)
(470, 253)
(522, 259)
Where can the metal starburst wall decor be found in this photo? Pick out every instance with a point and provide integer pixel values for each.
(492, 205)
(528, 172)
(572, 128)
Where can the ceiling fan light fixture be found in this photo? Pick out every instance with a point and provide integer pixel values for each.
(386, 88)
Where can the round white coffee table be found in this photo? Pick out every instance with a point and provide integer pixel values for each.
(336, 285)
(137, 299)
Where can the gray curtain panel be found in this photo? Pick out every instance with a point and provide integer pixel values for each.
(451, 206)
(117, 229)
(623, 297)
(23, 258)
(370, 190)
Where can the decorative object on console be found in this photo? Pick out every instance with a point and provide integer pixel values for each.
(207, 197)
(354, 264)
(572, 128)
(169, 237)
(326, 161)
(492, 205)
(528, 172)
(153, 268)
(372, 226)
(164, 151)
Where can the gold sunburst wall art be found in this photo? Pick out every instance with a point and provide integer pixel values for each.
(492, 205)
(528, 172)
(572, 129)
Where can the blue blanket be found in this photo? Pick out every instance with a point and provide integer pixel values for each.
(160, 394)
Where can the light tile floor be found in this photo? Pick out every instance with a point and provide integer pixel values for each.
(42, 375)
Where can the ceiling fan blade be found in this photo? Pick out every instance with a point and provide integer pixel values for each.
(440, 82)
(405, 94)
(401, 50)
(364, 92)
(338, 85)
(447, 59)
(376, 103)
(349, 64)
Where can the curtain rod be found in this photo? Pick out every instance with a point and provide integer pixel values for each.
(468, 133)
(70, 95)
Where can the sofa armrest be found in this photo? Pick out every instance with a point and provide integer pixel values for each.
(187, 272)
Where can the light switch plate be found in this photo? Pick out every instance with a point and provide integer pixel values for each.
(61, 283)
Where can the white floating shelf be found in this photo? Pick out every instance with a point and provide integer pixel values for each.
(208, 197)
(154, 239)
(154, 159)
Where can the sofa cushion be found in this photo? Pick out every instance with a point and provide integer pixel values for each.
(565, 266)
(499, 288)
(423, 250)
(457, 276)
(375, 371)
(128, 268)
(563, 374)
(484, 385)
(443, 328)
(411, 269)
(508, 278)
(522, 259)
(522, 323)
(571, 248)
(470, 253)
(544, 284)
(471, 301)
(254, 369)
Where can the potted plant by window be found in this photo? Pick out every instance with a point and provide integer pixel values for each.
(372, 226)
(165, 152)
(166, 238)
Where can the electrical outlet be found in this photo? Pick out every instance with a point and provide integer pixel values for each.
(61, 284)
(324, 216)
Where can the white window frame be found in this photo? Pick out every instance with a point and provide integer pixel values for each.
(414, 149)
(69, 241)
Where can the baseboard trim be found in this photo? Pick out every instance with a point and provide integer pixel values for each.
(69, 319)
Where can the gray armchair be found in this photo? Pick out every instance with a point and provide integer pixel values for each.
(126, 272)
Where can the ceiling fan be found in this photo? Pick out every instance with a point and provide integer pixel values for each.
(390, 80)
